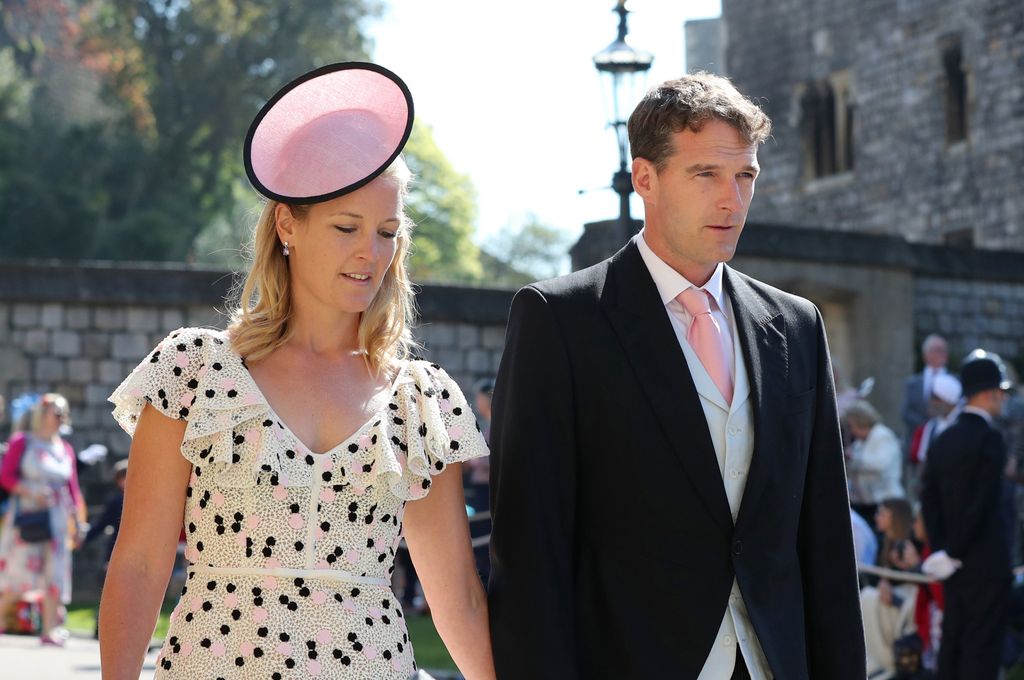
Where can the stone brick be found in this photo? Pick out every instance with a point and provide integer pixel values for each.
(73, 393)
(478, 361)
(66, 343)
(467, 336)
(438, 335)
(130, 346)
(96, 395)
(171, 319)
(37, 342)
(52, 316)
(81, 370)
(493, 337)
(15, 365)
(25, 316)
(109, 318)
(111, 372)
(906, 179)
(78, 317)
(48, 370)
(142, 320)
(452, 360)
(96, 345)
(204, 317)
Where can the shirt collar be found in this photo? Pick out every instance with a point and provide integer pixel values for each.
(979, 412)
(671, 283)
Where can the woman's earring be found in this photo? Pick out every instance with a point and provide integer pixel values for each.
(285, 251)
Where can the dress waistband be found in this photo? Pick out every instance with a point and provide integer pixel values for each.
(329, 574)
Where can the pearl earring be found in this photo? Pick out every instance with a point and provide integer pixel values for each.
(285, 251)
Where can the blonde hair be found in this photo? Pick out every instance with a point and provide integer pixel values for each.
(263, 303)
(862, 414)
(47, 400)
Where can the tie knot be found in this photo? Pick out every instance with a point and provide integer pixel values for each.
(696, 301)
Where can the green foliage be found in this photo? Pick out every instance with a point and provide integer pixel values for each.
(181, 81)
(442, 203)
(531, 252)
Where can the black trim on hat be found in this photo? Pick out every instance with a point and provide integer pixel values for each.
(330, 68)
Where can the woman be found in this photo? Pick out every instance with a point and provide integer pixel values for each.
(888, 609)
(875, 460)
(39, 472)
(292, 443)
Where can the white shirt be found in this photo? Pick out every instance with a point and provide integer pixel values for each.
(671, 283)
(732, 428)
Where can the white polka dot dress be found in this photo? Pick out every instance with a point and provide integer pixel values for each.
(292, 551)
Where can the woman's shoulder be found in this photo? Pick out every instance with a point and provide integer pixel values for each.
(190, 339)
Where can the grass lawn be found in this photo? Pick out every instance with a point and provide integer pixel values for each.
(430, 651)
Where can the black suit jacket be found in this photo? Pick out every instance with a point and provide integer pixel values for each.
(961, 499)
(613, 545)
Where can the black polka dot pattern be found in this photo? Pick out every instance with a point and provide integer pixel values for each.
(258, 499)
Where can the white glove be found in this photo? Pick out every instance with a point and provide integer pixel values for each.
(939, 565)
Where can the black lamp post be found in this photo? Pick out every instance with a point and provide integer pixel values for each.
(624, 69)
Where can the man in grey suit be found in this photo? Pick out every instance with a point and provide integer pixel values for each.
(917, 390)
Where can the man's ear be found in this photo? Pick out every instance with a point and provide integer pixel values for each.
(285, 222)
(645, 178)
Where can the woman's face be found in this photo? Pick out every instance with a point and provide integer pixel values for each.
(342, 249)
(53, 416)
(883, 519)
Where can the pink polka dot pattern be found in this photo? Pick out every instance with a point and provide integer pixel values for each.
(257, 502)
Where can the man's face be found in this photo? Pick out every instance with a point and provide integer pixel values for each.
(696, 205)
(936, 354)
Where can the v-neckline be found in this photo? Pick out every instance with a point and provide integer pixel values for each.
(347, 440)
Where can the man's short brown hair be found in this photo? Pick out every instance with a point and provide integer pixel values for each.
(689, 102)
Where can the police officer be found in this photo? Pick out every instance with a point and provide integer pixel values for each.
(962, 513)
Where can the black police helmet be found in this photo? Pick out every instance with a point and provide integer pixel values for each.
(982, 371)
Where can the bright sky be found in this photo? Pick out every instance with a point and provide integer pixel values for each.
(515, 102)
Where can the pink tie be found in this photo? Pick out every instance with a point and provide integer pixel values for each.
(706, 338)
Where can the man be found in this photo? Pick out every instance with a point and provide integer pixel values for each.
(668, 497)
(917, 389)
(963, 515)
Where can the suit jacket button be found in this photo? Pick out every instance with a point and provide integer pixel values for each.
(737, 548)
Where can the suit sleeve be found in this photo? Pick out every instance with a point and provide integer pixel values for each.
(533, 480)
(835, 633)
(931, 507)
(983, 503)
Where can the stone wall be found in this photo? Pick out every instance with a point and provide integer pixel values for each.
(906, 179)
(79, 330)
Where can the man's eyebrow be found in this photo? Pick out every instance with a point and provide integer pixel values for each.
(705, 167)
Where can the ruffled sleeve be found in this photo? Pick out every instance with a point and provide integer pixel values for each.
(439, 427)
(167, 378)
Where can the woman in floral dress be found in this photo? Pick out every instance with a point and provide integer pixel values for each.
(39, 471)
(300, 445)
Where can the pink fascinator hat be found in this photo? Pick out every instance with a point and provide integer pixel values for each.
(328, 133)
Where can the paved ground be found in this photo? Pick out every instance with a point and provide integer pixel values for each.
(22, 658)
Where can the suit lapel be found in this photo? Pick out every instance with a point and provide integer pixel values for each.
(631, 301)
(762, 339)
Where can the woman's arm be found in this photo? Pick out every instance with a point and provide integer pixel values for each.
(143, 556)
(437, 533)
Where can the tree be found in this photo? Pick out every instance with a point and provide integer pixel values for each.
(442, 203)
(533, 251)
(183, 80)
